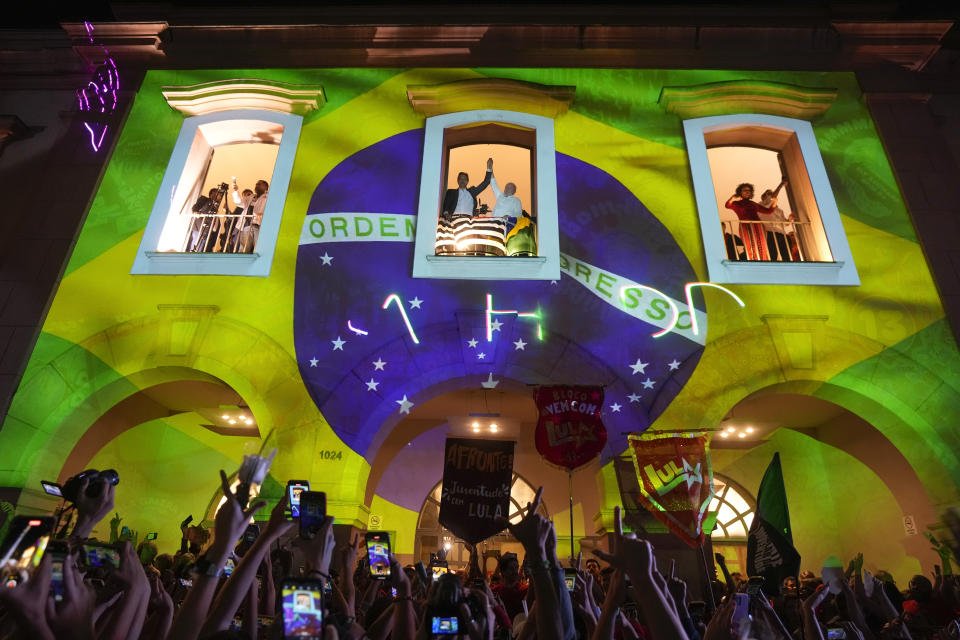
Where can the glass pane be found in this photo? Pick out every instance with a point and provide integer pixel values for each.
(718, 532)
(714, 504)
(736, 530)
(736, 501)
(522, 492)
(429, 518)
(725, 514)
(748, 519)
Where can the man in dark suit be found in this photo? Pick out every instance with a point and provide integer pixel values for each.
(463, 200)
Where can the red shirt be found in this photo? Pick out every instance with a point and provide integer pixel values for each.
(747, 209)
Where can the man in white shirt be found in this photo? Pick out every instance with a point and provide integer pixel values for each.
(508, 205)
(252, 207)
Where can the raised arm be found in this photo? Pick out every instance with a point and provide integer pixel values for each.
(230, 522)
(245, 575)
(477, 190)
(493, 185)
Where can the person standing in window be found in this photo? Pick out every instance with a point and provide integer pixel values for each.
(252, 206)
(462, 201)
(776, 226)
(752, 233)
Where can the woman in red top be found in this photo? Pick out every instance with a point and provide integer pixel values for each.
(753, 236)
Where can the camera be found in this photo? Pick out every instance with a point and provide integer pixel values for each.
(71, 488)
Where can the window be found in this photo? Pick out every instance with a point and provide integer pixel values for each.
(734, 509)
(505, 228)
(219, 205)
(788, 231)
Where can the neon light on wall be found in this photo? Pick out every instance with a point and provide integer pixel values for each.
(103, 87)
(395, 298)
(359, 332)
(490, 312)
(687, 288)
(673, 307)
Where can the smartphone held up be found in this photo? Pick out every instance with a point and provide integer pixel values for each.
(378, 554)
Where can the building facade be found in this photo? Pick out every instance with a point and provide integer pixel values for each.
(345, 315)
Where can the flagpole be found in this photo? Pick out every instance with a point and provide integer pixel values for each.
(570, 478)
(711, 605)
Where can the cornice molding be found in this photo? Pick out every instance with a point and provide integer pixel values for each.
(549, 101)
(245, 93)
(747, 96)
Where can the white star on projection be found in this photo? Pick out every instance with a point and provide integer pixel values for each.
(472, 343)
(495, 325)
(648, 383)
(415, 303)
(638, 366)
(338, 344)
(490, 383)
(674, 365)
(633, 398)
(378, 365)
(519, 345)
(692, 473)
(313, 362)
(327, 260)
(405, 405)
(481, 355)
(372, 385)
(616, 407)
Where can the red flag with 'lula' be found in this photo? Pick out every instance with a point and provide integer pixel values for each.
(676, 480)
(569, 432)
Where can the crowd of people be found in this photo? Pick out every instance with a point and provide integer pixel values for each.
(231, 581)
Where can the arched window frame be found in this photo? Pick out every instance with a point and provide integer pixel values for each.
(841, 271)
(719, 533)
(152, 262)
(546, 265)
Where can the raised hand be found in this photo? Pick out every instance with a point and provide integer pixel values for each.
(232, 520)
(73, 617)
(489, 164)
(534, 530)
(26, 602)
(319, 549)
(91, 510)
(278, 523)
(633, 556)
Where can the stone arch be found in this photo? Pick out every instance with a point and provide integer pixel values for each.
(53, 410)
(864, 376)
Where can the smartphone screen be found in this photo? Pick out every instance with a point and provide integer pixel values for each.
(302, 609)
(151, 536)
(97, 556)
(58, 555)
(754, 585)
(836, 634)
(294, 489)
(438, 568)
(312, 511)
(26, 540)
(186, 583)
(444, 625)
(378, 554)
(570, 579)
(51, 488)
(228, 567)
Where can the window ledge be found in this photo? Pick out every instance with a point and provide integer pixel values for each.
(201, 264)
(490, 268)
(823, 273)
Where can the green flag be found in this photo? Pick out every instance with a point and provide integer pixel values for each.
(770, 551)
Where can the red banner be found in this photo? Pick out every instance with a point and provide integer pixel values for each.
(570, 432)
(676, 480)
